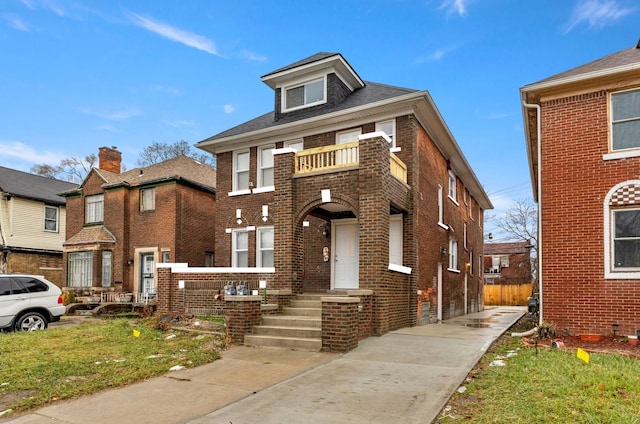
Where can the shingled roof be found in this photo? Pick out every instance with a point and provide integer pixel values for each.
(370, 93)
(31, 186)
(511, 248)
(616, 62)
(180, 168)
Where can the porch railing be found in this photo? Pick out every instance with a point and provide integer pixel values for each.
(335, 157)
(398, 168)
(326, 158)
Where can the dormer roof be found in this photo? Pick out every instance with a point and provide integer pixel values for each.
(314, 64)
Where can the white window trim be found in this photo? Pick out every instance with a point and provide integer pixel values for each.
(94, 203)
(235, 172)
(263, 189)
(143, 206)
(351, 131)
(609, 273)
(441, 207)
(234, 250)
(395, 219)
(452, 194)
(258, 248)
(619, 153)
(455, 267)
(44, 223)
(260, 168)
(393, 132)
(239, 192)
(298, 83)
(292, 143)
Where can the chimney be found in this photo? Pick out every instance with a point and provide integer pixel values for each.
(109, 159)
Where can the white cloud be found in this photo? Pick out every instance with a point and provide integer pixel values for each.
(16, 22)
(436, 55)
(120, 115)
(229, 109)
(28, 4)
(252, 56)
(455, 6)
(44, 4)
(596, 13)
(180, 123)
(15, 150)
(180, 36)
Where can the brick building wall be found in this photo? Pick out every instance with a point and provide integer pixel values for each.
(48, 264)
(575, 181)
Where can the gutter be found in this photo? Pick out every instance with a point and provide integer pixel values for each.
(539, 195)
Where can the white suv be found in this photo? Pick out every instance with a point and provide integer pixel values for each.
(28, 302)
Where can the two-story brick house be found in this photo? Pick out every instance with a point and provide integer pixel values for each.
(507, 263)
(121, 224)
(352, 187)
(582, 130)
(32, 224)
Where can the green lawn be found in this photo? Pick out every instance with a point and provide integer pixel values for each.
(59, 363)
(547, 386)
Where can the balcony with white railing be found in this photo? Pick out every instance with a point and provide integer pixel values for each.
(339, 157)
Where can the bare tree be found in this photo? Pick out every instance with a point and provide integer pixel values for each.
(73, 169)
(520, 223)
(159, 152)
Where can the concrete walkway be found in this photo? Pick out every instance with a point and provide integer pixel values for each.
(404, 376)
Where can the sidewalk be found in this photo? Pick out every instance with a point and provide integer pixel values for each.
(404, 376)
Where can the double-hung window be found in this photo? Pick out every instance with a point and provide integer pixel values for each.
(241, 171)
(441, 206)
(51, 218)
(625, 120)
(107, 266)
(94, 209)
(453, 255)
(80, 269)
(452, 187)
(395, 239)
(265, 166)
(147, 199)
(389, 128)
(240, 249)
(626, 240)
(308, 93)
(265, 243)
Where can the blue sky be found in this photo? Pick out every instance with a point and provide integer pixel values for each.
(79, 74)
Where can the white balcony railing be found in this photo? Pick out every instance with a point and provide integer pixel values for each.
(335, 157)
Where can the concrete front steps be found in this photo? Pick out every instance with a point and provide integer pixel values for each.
(299, 327)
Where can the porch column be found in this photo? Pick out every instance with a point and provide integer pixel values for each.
(285, 236)
(374, 205)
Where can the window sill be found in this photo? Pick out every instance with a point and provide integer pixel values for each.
(453, 200)
(621, 155)
(400, 268)
(239, 192)
(456, 271)
(445, 226)
(263, 189)
(622, 275)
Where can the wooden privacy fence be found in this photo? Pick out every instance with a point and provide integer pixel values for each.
(507, 294)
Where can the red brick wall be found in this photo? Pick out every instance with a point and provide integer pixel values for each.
(575, 181)
(47, 264)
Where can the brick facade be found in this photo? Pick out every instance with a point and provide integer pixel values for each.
(182, 224)
(580, 172)
(575, 181)
(47, 264)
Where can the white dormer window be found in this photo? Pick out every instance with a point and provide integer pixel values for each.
(309, 93)
(389, 128)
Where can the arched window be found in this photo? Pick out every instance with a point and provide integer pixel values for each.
(622, 231)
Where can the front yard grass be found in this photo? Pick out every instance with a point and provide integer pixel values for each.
(37, 368)
(547, 385)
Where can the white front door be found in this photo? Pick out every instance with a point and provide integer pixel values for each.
(147, 273)
(345, 264)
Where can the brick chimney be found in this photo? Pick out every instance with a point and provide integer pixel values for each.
(109, 159)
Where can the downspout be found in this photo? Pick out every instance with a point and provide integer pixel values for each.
(539, 194)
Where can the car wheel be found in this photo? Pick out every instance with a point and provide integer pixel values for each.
(31, 321)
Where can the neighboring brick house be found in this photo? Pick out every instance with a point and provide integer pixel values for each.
(121, 224)
(32, 224)
(507, 263)
(352, 187)
(582, 131)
